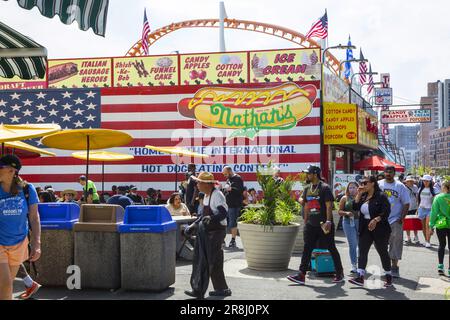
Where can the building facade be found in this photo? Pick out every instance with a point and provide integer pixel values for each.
(444, 104)
(440, 148)
(423, 136)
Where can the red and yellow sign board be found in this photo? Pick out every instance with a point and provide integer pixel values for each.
(214, 68)
(367, 129)
(285, 65)
(17, 83)
(249, 111)
(340, 124)
(146, 71)
(90, 73)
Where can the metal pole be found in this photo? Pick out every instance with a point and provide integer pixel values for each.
(176, 175)
(103, 177)
(87, 169)
(222, 26)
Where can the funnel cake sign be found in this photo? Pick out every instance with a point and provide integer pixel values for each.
(249, 111)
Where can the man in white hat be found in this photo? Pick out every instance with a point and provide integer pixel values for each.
(208, 252)
(410, 183)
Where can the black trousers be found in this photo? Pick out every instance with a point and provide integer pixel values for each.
(208, 259)
(311, 236)
(378, 237)
(443, 236)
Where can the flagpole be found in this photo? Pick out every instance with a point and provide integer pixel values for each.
(222, 15)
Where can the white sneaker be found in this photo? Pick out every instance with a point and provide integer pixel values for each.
(427, 245)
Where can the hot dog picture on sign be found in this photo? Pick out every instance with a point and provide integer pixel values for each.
(249, 111)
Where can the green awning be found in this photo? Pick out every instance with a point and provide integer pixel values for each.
(88, 13)
(21, 56)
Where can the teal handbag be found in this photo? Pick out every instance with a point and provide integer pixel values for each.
(442, 223)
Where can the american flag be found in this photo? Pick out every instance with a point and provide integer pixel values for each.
(362, 69)
(145, 33)
(151, 117)
(319, 29)
(71, 109)
(371, 83)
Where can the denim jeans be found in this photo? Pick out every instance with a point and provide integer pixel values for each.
(352, 237)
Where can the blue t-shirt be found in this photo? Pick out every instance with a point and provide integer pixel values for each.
(120, 200)
(398, 196)
(14, 215)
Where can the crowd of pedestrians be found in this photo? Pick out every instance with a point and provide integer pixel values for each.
(373, 211)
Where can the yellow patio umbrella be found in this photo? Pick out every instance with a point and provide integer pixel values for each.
(103, 156)
(17, 132)
(27, 147)
(87, 139)
(179, 152)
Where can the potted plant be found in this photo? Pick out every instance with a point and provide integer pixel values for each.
(268, 230)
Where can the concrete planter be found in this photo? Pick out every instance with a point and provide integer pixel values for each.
(268, 248)
(299, 240)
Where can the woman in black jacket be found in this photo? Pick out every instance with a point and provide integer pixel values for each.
(374, 227)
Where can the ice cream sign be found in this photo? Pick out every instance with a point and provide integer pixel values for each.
(249, 111)
(285, 65)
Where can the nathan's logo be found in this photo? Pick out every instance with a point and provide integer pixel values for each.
(250, 110)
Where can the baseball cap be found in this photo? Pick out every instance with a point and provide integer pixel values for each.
(83, 177)
(11, 160)
(132, 187)
(313, 170)
(427, 177)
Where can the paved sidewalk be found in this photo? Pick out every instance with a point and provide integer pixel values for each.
(419, 280)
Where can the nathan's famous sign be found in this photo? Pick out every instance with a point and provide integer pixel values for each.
(250, 110)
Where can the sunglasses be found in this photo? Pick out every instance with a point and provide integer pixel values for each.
(365, 183)
(390, 172)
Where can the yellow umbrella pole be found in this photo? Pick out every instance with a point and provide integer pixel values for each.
(103, 177)
(176, 175)
(87, 169)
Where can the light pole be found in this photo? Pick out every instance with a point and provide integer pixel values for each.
(352, 60)
(339, 46)
(351, 83)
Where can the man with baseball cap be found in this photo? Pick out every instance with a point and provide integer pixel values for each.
(18, 215)
(318, 208)
(399, 199)
(134, 196)
(208, 251)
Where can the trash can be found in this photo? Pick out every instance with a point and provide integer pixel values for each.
(185, 247)
(57, 244)
(97, 245)
(148, 248)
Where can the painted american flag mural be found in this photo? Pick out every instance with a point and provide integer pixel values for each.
(151, 117)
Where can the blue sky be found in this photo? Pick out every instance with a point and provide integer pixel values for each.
(409, 39)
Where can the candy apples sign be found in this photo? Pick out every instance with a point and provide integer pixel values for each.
(250, 110)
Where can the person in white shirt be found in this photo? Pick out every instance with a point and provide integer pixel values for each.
(398, 196)
(208, 250)
(425, 199)
(410, 183)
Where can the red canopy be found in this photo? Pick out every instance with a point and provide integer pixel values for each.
(376, 163)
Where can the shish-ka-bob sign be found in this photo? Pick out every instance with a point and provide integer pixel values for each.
(250, 110)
